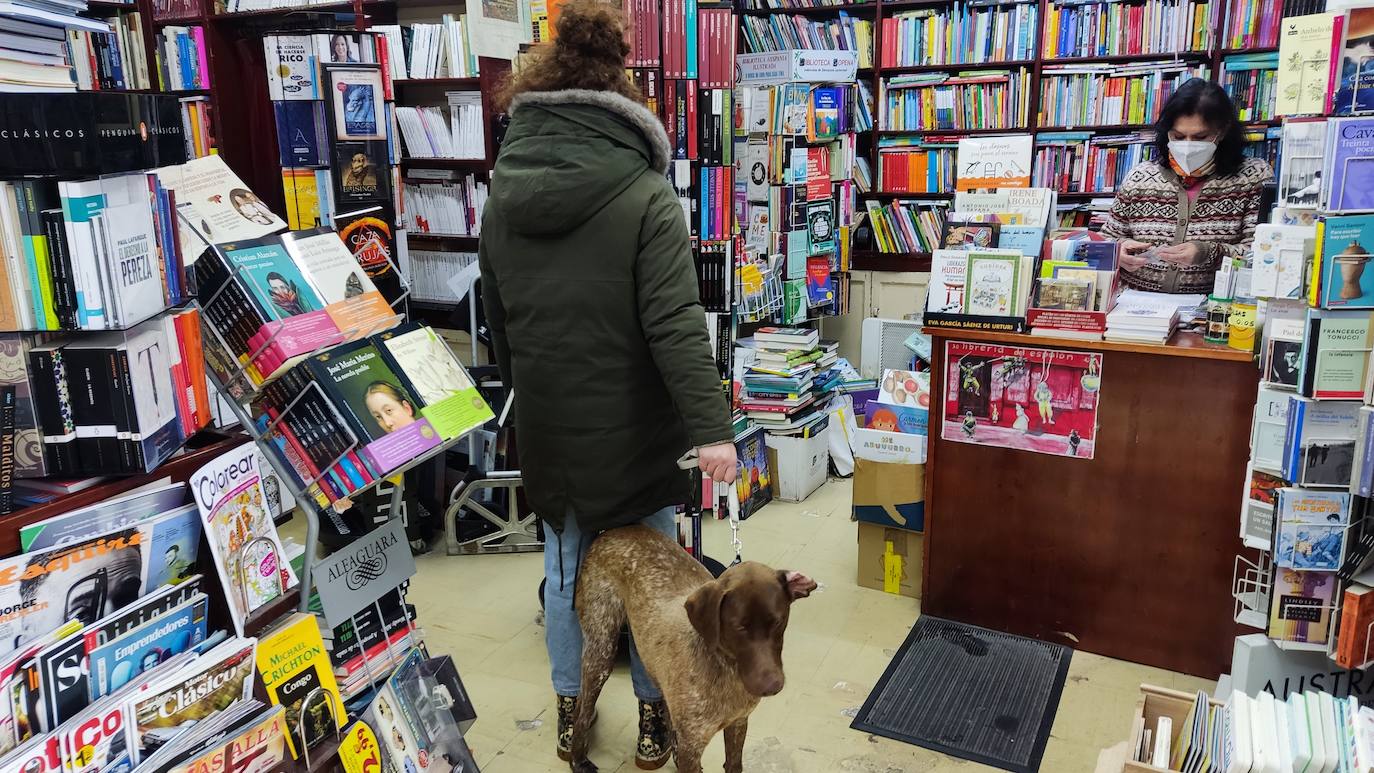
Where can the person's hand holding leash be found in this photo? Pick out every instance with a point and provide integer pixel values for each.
(718, 462)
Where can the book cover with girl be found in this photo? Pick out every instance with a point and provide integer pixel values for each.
(447, 395)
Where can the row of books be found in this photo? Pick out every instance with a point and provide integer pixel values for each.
(345, 418)
(699, 121)
(982, 99)
(1256, 23)
(1098, 95)
(964, 34)
(714, 202)
(906, 226)
(182, 60)
(646, 40)
(819, 113)
(99, 254)
(119, 402)
(431, 270)
(294, 60)
(1081, 162)
(110, 60)
(432, 132)
(1251, 80)
(911, 165)
(34, 55)
(420, 51)
(444, 208)
(779, 32)
(1120, 29)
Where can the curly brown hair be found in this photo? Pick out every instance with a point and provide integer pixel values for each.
(588, 52)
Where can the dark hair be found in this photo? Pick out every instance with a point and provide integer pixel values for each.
(588, 52)
(278, 277)
(1209, 102)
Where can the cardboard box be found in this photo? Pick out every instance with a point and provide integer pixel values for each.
(890, 494)
(892, 447)
(798, 465)
(890, 560)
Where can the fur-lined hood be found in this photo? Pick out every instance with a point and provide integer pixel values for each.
(569, 153)
(638, 115)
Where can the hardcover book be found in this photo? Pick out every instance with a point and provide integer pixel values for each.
(294, 663)
(381, 411)
(1350, 165)
(994, 284)
(428, 369)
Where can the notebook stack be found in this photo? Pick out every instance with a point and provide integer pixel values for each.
(1143, 317)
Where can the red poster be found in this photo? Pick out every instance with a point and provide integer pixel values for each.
(1030, 399)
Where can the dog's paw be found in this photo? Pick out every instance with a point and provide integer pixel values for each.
(584, 766)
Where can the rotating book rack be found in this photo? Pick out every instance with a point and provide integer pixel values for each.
(237, 384)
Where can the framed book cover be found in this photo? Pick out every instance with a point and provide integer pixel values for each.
(1350, 165)
(361, 173)
(357, 101)
(1027, 399)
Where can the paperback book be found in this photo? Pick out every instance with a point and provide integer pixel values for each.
(295, 669)
(427, 369)
(1350, 165)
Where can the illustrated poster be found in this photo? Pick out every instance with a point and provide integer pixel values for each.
(1030, 399)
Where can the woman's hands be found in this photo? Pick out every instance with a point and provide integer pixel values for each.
(1133, 254)
(718, 461)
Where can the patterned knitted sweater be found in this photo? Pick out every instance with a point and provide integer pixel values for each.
(1151, 206)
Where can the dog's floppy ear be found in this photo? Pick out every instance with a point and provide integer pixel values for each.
(703, 610)
(798, 585)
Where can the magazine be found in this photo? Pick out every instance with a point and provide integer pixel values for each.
(247, 551)
(116, 513)
(259, 744)
(207, 685)
(118, 662)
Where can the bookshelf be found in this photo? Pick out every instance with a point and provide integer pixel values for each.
(1233, 28)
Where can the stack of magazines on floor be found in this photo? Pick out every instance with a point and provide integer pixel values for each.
(789, 378)
(1306, 731)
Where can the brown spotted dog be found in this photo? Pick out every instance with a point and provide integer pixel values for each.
(713, 646)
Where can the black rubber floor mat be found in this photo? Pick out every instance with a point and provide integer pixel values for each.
(971, 693)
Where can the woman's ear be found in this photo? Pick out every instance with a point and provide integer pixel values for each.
(703, 610)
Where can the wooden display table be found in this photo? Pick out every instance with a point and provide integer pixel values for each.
(1128, 554)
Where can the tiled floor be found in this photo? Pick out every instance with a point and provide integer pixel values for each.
(484, 611)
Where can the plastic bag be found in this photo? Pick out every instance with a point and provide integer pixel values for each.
(842, 427)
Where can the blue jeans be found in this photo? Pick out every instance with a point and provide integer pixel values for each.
(562, 633)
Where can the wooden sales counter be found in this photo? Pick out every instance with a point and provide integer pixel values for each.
(1128, 554)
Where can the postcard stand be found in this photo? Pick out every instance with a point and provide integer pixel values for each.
(317, 695)
(1252, 583)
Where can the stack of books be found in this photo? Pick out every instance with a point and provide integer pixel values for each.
(781, 391)
(1143, 317)
(34, 55)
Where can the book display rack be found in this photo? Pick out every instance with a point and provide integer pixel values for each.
(1026, 67)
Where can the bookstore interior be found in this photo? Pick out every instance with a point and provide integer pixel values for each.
(256, 354)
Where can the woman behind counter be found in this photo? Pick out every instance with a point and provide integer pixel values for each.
(1177, 217)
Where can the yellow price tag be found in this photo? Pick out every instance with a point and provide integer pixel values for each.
(892, 569)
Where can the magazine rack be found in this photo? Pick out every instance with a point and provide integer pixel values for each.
(759, 291)
(242, 379)
(317, 695)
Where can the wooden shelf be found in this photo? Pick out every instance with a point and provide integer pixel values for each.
(1256, 50)
(442, 237)
(1085, 195)
(818, 11)
(460, 164)
(468, 83)
(1183, 344)
(873, 260)
(1119, 128)
(896, 195)
(920, 68)
(1196, 56)
(329, 8)
(952, 132)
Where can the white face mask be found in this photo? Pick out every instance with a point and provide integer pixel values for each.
(1192, 155)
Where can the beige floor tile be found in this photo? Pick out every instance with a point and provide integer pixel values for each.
(484, 611)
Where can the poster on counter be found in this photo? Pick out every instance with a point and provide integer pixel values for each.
(1029, 399)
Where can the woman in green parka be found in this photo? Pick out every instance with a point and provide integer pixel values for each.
(591, 297)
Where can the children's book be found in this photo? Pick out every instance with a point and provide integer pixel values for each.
(428, 369)
(969, 235)
(1350, 165)
(1312, 527)
(994, 284)
(294, 665)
